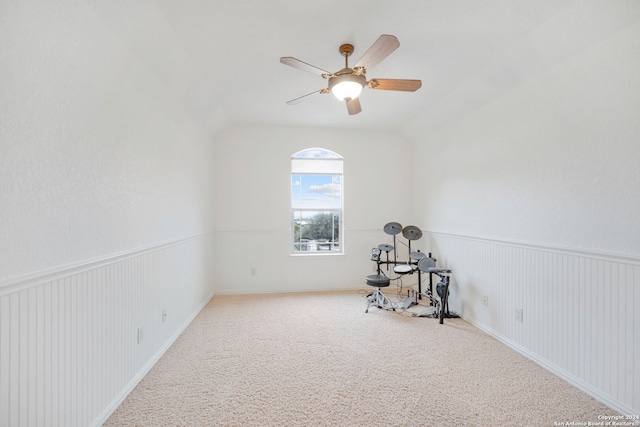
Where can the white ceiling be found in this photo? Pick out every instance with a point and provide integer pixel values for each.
(223, 56)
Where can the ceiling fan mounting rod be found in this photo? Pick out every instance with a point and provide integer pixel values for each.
(346, 50)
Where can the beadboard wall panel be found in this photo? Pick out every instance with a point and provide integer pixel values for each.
(69, 350)
(579, 309)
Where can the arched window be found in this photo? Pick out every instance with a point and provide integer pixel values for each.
(316, 202)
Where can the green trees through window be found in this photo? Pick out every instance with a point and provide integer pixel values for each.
(317, 231)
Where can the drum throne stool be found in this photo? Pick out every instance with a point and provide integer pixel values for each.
(377, 298)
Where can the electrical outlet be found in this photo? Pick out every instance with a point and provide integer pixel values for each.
(485, 300)
(164, 314)
(140, 334)
(519, 315)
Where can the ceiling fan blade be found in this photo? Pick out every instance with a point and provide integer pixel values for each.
(353, 106)
(379, 50)
(301, 65)
(395, 84)
(305, 97)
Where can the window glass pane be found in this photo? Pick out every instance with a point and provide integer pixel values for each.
(316, 153)
(316, 231)
(316, 191)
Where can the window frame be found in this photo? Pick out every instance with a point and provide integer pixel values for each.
(314, 167)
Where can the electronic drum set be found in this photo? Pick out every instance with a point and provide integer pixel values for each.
(417, 262)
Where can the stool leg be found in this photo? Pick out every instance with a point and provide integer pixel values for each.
(378, 299)
(384, 300)
(372, 299)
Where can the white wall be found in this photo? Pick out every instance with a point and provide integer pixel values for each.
(106, 208)
(253, 178)
(100, 152)
(554, 161)
(534, 203)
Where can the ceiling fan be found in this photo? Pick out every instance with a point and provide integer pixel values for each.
(347, 83)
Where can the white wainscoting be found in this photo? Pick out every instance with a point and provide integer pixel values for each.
(580, 310)
(69, 350)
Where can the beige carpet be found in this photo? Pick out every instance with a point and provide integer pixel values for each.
(316, 359)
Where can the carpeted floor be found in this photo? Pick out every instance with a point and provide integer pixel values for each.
(316, 359)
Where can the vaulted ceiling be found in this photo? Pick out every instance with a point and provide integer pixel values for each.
(222, 57)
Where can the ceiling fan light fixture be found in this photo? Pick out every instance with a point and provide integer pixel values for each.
(346, 86)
